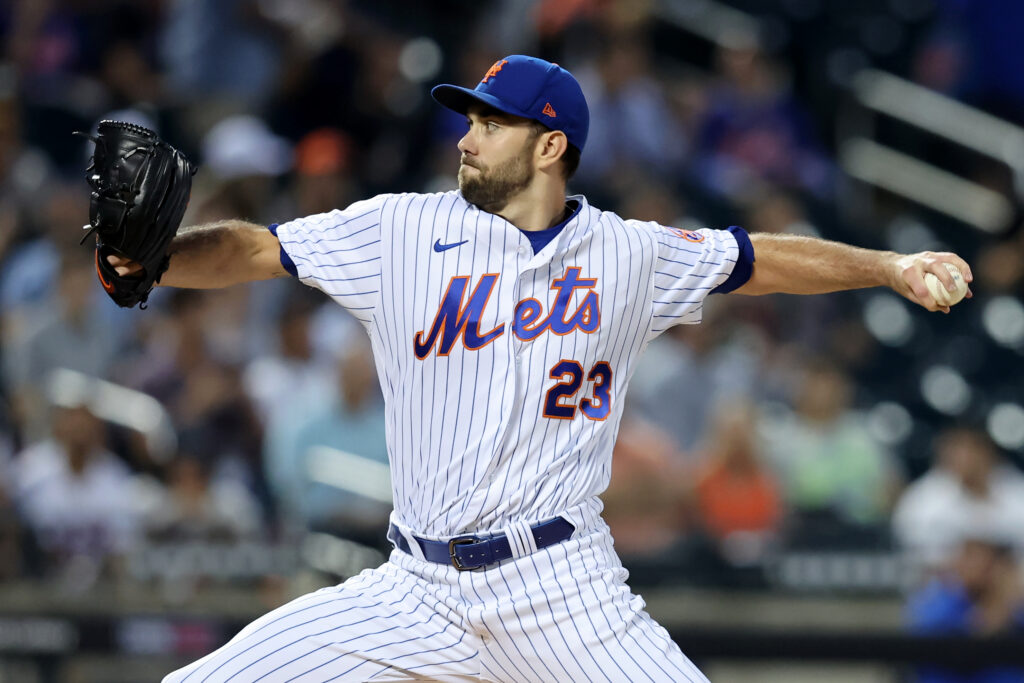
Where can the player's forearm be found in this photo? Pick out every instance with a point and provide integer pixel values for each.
(793, 264)
(222, 254)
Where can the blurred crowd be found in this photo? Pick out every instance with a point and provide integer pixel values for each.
(755, 433)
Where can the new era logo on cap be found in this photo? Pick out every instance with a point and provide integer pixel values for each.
(528, 87)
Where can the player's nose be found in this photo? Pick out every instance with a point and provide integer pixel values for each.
(467, 145)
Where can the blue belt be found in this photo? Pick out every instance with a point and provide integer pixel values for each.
(475, 552)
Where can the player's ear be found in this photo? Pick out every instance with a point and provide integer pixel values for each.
(550, 148)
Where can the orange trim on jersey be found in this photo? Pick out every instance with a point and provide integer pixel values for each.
(540, 322)
(587, 404)
(562, 383)
(577, 327)
(441, 323)
(586, 313)
(555, 285)
(500, 328)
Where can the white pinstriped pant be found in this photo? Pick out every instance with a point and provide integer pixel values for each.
(563, 613)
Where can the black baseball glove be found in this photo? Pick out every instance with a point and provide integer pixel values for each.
(140, 189)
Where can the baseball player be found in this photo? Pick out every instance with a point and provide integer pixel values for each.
(506, 320)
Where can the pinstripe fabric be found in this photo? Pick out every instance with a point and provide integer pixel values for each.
(470, 449)
(503, 372)
(561, 614)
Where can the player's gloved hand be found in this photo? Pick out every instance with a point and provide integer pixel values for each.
(140, 189)
(909, 271)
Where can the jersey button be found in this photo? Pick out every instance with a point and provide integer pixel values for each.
(522, 251)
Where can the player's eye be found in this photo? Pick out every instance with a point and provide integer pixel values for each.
(492, 126)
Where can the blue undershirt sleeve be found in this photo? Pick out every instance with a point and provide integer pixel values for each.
(744, 263)
(286, 260)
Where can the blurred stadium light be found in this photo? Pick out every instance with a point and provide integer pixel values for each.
(1006, 425)
(1003, 319)
(890, 423)
(945, 390)
(887, 319)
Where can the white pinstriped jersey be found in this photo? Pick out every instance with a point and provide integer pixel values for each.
(504, 371)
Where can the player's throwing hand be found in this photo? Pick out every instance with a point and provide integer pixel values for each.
(909, 276)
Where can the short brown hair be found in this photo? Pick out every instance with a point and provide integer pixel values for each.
(570, 157)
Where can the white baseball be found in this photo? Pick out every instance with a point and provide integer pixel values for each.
(943, 296)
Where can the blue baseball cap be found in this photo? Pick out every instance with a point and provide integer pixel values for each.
(530, 88)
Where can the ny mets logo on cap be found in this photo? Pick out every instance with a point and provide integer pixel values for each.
(495, 68)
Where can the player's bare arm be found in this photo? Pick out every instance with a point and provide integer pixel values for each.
(217, 255)
(793, 264)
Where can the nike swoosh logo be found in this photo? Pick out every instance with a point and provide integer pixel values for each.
(438, 247)
(107, 286)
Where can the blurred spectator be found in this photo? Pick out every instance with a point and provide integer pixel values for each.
(385, 105)
(980, 593)
(807, 322)
(756, 132)
(968, 486)
(128, 76)
(833, 473)
(999, 266)
(646, 505)
(10, 526)
(226, 48)
(738, 499)
(972, 55)
(778, 212)
(68, 334)
(243, 146)
(293, 374)
(243, 158)
(316, 88)
(203, 393)
(11, 537)
(194, 507)
(47, 232)
(352, 425)
(631, 123)
(17, 165)
(648, 198)
(75, 495)
(713, 356)
(323, 182)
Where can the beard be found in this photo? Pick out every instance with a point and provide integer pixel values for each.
(491, 189)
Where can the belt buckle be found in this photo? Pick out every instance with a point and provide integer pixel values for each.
(460, 540)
